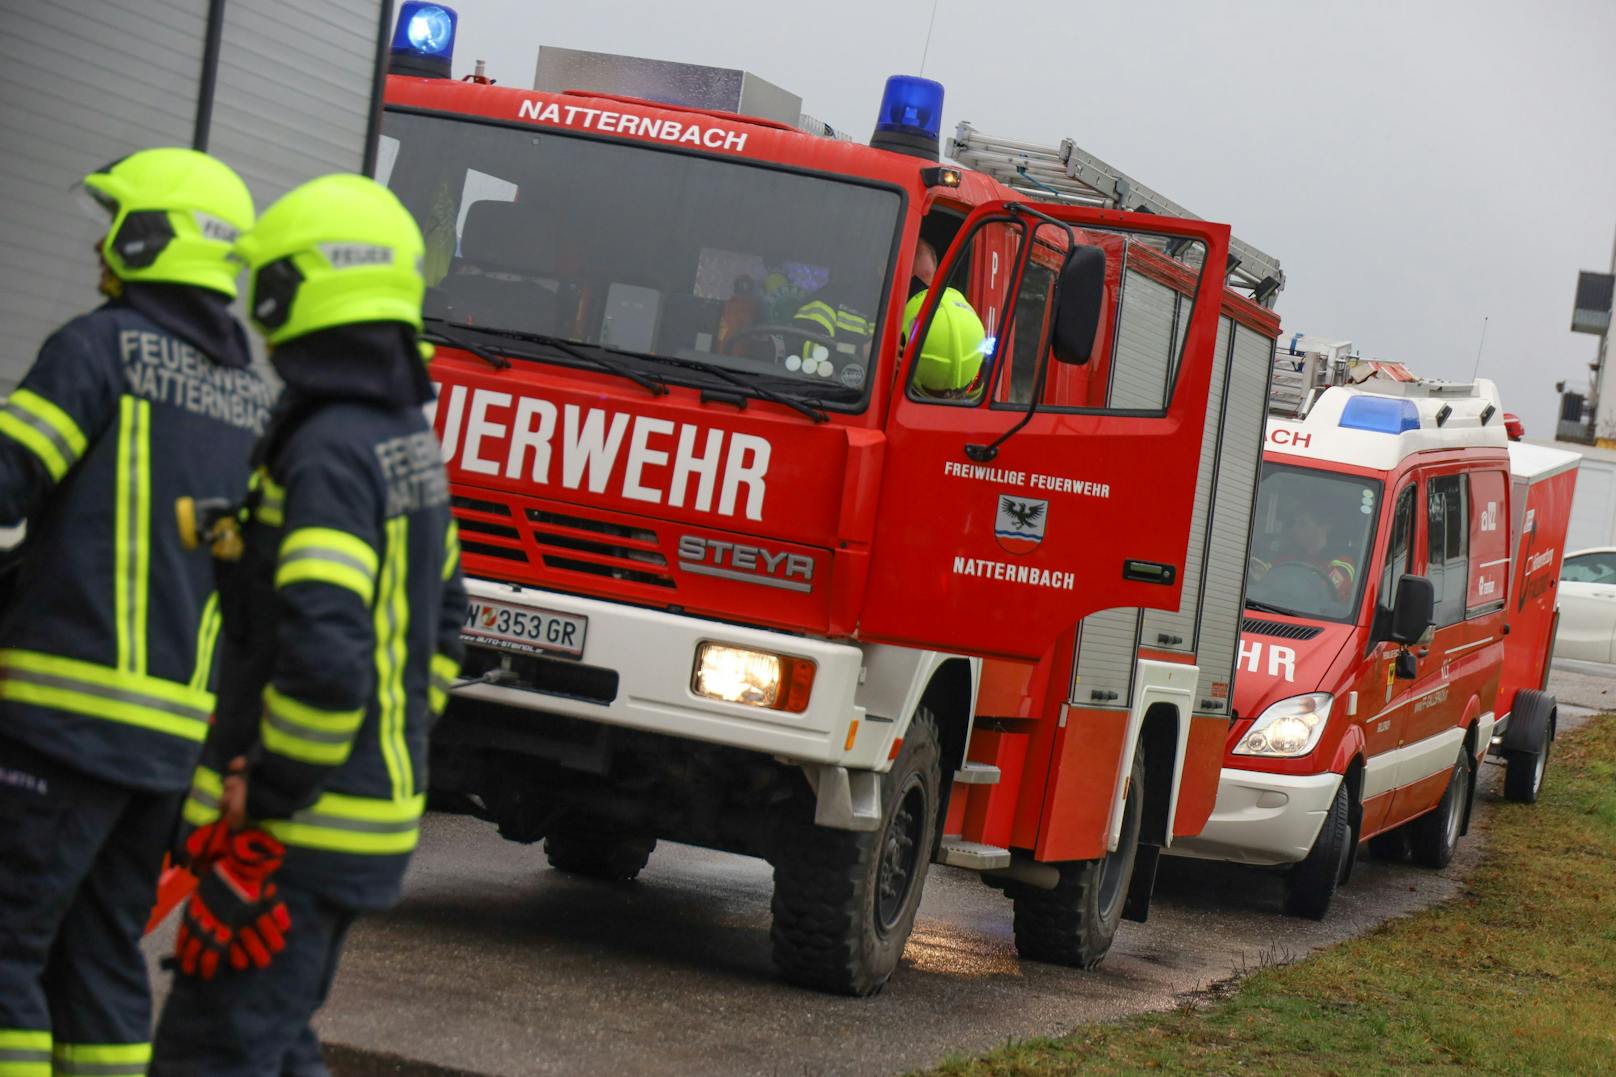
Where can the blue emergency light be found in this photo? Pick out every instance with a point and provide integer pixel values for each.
(1380, 414)
(423, 41)
(911, 116)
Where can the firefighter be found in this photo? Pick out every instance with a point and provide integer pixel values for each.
(106, 643)
(950, 362)
(341, 636)
(1306, 540)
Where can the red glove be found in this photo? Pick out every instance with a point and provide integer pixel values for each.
(236, 912)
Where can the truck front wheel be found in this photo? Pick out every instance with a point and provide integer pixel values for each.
(1313, 880)
(845, 901)
(1076, 923)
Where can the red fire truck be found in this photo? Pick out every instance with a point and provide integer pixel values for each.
(742, 578)
(1401, 614)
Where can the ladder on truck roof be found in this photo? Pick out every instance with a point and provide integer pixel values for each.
(1066, 173)
(1305, 366)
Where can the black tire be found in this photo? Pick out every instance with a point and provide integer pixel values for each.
(1434, 836)
(1523, 774)
(1076, 923)
(1524, 768)
(844, 901)
(597, 854)
(1312, 882)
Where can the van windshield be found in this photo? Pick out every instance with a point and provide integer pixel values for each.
(1311, 541)
(674, 261)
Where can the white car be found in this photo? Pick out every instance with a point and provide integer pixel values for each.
(1588, 606)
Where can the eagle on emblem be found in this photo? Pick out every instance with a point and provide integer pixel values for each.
(1026, 513)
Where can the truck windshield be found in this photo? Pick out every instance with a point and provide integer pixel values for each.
(674, 261)
(1311, 542)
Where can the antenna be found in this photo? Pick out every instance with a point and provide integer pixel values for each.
(929, 26)
(1477, 368)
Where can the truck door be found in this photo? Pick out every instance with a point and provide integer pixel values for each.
(1383, 699)
(1006, 517)
(1432, 731)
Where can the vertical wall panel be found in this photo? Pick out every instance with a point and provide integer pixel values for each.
(1174, 630)
(83, 82)
(1224, 595)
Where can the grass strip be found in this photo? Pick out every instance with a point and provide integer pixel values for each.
(1516, 975)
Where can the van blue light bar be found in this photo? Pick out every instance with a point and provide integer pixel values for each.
(1383, 415)
(423, 41)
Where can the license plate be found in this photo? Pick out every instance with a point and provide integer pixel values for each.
(525, 629)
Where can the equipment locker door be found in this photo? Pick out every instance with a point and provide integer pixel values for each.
(998, 529)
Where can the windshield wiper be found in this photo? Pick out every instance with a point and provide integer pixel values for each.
(594, 354)
(811, 407)
(1269, 607)
(442, 335)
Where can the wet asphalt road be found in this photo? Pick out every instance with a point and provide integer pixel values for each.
(494, 964)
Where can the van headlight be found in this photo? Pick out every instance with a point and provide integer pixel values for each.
(1289, 728)
(756, 678)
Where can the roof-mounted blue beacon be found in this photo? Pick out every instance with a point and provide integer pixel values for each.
(423, 42)
(911, 115)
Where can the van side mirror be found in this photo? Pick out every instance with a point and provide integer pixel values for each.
(1413, 610)
(1079, 297)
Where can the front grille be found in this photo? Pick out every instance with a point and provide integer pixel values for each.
(1279, 629)
(600, 548)
(563, 542)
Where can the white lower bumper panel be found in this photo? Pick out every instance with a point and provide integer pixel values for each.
(653, 654)
(1263, 818)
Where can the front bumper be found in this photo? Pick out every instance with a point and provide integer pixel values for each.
(653, 653)
(1263, 818)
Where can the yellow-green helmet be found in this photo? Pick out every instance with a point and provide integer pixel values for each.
(176, 216)
(951, 354)
(339, 250)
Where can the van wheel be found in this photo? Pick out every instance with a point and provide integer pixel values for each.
(1076, 923)
(1312, 882)
(1433, 836)
(1523, 774)
(845, 901)
(1525, 766)
(596, 854)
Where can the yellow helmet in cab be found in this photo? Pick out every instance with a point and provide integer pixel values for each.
(339, 250)
(176, 216)
(951, 354)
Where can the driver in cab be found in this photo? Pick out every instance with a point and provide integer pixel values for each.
(1306, 541)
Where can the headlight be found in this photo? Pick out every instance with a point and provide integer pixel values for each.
(1289, 728)
(755, 678)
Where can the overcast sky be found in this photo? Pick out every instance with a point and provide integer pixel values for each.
(1415, 166)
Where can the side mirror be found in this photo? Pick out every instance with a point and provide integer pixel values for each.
(1079, 297)
(1413, 610)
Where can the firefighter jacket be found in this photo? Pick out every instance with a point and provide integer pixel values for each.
(106, 639)
(342, 619)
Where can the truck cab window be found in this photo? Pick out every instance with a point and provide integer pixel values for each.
(1309, 547)
(1447, 546)
(1399, 549)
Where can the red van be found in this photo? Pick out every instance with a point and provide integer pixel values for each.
(1367, 690)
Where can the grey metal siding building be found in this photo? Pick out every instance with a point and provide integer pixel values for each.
(282, 92)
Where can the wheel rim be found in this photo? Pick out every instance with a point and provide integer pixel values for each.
(1538, 769)
(1112, 874)
(1456, 808)
(900, 856)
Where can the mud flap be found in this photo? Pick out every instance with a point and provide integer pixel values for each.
(1136, 907)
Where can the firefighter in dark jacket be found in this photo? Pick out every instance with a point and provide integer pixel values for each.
(107, 640)
(342, 633)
